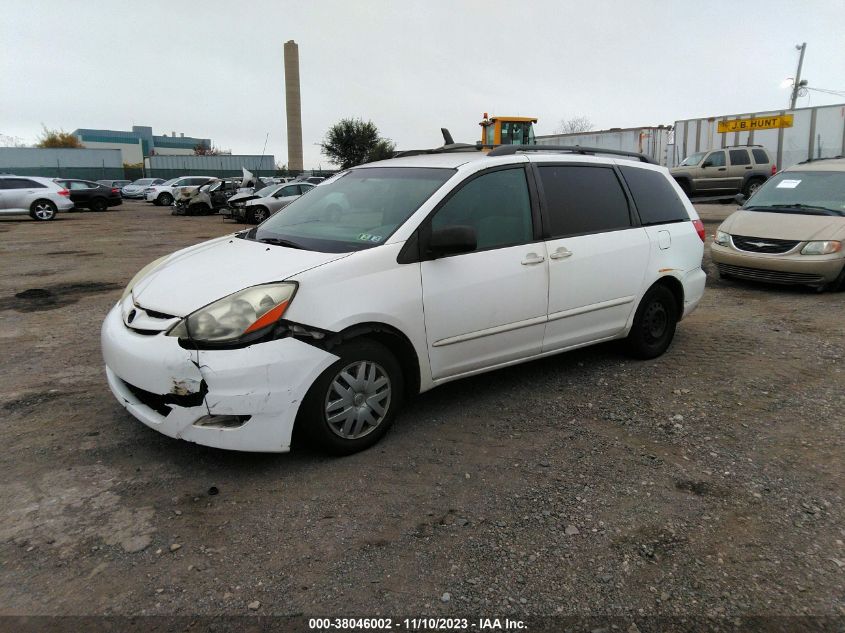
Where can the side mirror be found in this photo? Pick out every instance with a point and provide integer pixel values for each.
(740, 199)
(452, 240)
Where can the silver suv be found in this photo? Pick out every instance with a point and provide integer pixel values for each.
(41, 198)
(725, 171)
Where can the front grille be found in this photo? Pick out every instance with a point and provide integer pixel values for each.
(161, 403)
(763, 244)
(772, 276)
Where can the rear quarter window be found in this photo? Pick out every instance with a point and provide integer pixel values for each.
(656, 199)
(760, 156)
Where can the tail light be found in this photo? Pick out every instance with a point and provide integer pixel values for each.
(63, 192)
(699, 228)
(774, 169)
(115, 190)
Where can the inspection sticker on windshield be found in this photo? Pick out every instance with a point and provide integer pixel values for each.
(366, 237)
(788, 184)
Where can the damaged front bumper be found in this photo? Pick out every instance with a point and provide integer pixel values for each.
(238, 399)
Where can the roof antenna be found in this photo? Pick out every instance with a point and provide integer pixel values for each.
(447, 138)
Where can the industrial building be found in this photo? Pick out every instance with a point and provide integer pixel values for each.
(140, 142)
(90, 164)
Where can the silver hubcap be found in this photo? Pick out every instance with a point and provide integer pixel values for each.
(358, 399)
(43, 211)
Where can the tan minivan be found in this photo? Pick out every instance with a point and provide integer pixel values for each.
(791, 231)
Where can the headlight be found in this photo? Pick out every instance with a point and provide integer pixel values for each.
(146, 270)
(821, 248)
(722, 238)
(241, 314)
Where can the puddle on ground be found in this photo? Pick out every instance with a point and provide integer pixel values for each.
(55, 296)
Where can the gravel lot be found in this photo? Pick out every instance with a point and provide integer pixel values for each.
(708, 482)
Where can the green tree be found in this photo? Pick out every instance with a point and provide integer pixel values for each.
(57, 138)
(351, 142)
(382, 150)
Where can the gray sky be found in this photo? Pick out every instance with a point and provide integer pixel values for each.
(215, 69)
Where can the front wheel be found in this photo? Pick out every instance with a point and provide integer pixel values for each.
(258, 214)
(99, 204)
(164, 200)
(654, 324)
(353, 402)
(42, 210)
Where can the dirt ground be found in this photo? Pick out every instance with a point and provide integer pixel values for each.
(708, 482)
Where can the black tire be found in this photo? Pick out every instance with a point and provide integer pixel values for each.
(257, 214)
(164, 200)
(654, 324)
(99, 204)
(312, 423)
(43, 210)
(751, 186)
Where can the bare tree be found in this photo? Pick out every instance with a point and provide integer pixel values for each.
(574, 125)
(11, 141)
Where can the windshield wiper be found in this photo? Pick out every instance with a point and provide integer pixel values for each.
(275, 241)
(797, 206)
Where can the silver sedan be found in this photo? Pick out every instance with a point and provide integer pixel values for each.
(273, 198)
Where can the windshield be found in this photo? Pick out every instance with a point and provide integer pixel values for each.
(267, 191)
(358, 210)
(143, 181)
(814, 192)
(693, 159)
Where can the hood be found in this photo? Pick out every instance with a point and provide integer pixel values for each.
(242, 197)
(784, 226)
(134, 187)
(201, 274)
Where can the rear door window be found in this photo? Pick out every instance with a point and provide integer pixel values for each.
(583, 199)
(23, 183)
(739, 157)
(656, 199)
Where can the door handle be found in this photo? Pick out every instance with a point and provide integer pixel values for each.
(561, 253)
(723, 168)
(532, 258)
(748, 167)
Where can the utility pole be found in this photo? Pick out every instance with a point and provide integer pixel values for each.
(796, 84)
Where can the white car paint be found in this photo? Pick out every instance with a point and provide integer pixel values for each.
(174, 187)
(462, 315)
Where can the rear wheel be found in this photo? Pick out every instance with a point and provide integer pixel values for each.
(42, 210)
(99, 204)
(353, 402)
(654, 324)
(752, 186)
(164, 200)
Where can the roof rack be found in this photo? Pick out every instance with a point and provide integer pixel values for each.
(449, 145)
(506, 150)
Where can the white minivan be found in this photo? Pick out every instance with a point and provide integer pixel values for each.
(395, 277)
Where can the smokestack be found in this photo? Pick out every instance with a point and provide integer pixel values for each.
(293, 106)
